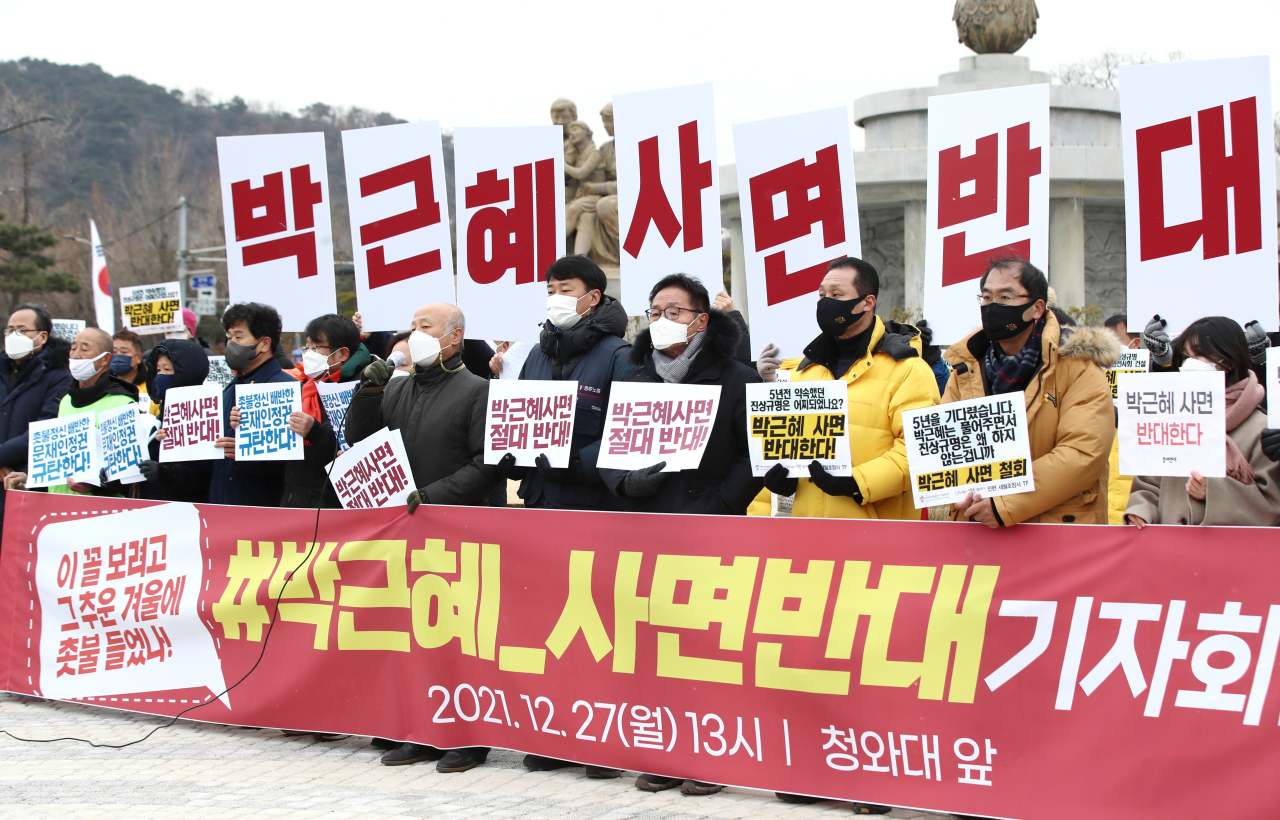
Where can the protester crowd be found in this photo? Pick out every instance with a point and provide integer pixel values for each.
(431, 383)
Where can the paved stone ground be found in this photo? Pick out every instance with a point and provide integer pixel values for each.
(199, 770)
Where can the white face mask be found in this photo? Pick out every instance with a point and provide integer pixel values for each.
(562, 310)
(84, 369)
(177, 334)
(424, 348)
(1198, 366)
(18, 345)
(664, 333)
(314, 365)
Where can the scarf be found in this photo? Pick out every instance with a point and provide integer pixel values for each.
(1012, 374)
(673, 370)
(312, 404)
(852, 350)
(1243, 398)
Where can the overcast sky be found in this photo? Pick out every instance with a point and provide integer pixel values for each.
(494, 62)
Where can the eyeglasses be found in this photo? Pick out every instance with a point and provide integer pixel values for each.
(314, 348)
(9, 331)
(672, 313)
(1006, 299)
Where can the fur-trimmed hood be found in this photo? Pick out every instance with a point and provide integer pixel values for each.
(721, 344)
(1097, 344)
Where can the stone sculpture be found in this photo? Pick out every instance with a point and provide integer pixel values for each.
(592, 215)
(995, 26)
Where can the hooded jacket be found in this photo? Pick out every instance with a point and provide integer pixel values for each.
(1070, 421)
(41, 383)
(887, 380)
(722, 484)
(179, 480)
(109, 392)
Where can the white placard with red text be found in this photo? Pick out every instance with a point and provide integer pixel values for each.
(649, 423)
(275, 208)
(1200, 191)
(509, 201)
(192, 423)
(668, 190)
(374, 473)
(399, 221)
(988, 195)
(1172, 423)
(528, 418)
(799, 212)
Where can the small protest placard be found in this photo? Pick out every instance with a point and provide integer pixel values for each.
(67, 328)
(336, 398)
(263, 433)
(795, 423)
(972, 446)
(513, 359)
(219, 372)
(63, 450)
(192, 423)
(152, 308)
(1173, 423)
(1130, 361)
(118, 431)
(649, 423)
(1273, 386)
(373, 473)
(526, 418)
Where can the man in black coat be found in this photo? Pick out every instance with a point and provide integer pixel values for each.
(722, 484)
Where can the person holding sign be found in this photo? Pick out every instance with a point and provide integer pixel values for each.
(1249, 495)
(33, 380)
(1020, 348)
(174, 363)
(126, 359)
(253, 332)
(881, 362)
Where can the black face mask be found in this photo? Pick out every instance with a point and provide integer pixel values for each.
(836, 316)
(1004, 321)
(240, 356)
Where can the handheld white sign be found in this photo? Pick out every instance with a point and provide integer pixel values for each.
(796, 423)
(336, 398)
(1130, 361)
(528, 418)
(373, 473)
(192, 423)
(1173, 423)
(63, 450)
(219, 372)
(152, 308)
(972, 446)
(67, 328)
(263, 433)
(649, 423)
(118, 432)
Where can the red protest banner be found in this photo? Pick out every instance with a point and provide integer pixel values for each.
(1041, 672)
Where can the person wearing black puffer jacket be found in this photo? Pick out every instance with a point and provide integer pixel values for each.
(174, 363)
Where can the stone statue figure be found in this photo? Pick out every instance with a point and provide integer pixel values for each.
(564, 112)
(995, 26)
(592, 217)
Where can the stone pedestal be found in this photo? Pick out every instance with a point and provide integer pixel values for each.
(738, 267)
(913, 230)
(1066, 250)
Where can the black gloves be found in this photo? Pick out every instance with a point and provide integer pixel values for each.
(776, 481)
(644, 483)
(150, 469)
(1258, 343)
(506, 467)
(377, 373)
(1271, 443)
(416, 498)
(559, 475)
(834, 485)
(1157, 341)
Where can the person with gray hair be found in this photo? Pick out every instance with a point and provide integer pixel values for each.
(440, 412)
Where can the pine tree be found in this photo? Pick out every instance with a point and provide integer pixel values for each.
(23, 268)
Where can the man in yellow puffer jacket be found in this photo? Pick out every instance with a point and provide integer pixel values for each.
(881, 363)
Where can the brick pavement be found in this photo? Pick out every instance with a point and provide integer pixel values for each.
(207, 771)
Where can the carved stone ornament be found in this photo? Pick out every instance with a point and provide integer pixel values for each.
(995, 26)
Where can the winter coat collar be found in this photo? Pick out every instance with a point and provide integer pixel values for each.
(355, 364)
(608, 319)
(1095, 344)
(891, 338)
(109, 386)
(433, 376)
(719, 348)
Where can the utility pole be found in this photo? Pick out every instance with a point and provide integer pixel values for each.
(182, 249)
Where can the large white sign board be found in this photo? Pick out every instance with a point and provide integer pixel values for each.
(509, 195)
(988, 195)
(796, 423)
(1200, 191)
(275, 208)
(668, 190)
(399, 221)
(649, 423)
(1172, 423)
(799, 212)
(528, 418)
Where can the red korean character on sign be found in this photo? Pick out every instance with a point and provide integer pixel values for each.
(1218, 172)
(426, 212)
(796, 181)
(981, 171)
(261, 211)
(512, 240)
(653, 205)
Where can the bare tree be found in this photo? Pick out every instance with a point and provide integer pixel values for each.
(26, 152)
(1103, 71)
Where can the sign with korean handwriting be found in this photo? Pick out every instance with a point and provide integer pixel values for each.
(1200, 190)
(1273, 386)
(220, 373)
(275, 206)
(118, 431)
(527, 418)
(67, 329)
(373, 473)
(118, 596)
(1130, 361)
(972, 446)
(509, 194)
(649, 423)
(668, 190)
(152, 308)
(799, 212)
(63, 450)
(796, 423)
(336, 399)
(988, 195)
(399, 221)
(263, 433)
(1172, 423)
(192, 423)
